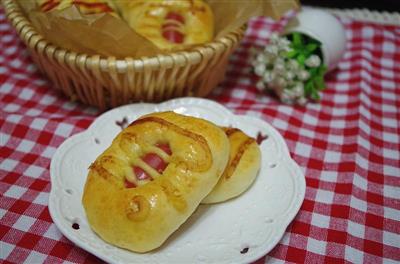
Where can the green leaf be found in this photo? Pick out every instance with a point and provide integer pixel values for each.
(322, 69)
(291, 54)
(319, 82)
(313, 72)
(308, 88)
(307, 53)
(311, 47)
(323, 85)
(301, 59)
(315, 95)
(297, 39)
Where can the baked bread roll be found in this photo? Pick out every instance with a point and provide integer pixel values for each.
(152, 178)
(242, 169)
(85, 6)
(169, 23)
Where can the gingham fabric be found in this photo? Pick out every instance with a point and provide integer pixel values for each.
(347, 146)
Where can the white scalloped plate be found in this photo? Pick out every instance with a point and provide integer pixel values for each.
(218, 233)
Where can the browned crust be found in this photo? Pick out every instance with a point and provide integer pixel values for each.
(101, 171)
(197, 138)
(138, 209)
(230, 130)
(230, 169)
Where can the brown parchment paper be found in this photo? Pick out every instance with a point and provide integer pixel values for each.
(108, 35)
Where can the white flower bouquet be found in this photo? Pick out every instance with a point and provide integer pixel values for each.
(291, 66)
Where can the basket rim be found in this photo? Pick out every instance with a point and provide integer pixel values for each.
(32, 38)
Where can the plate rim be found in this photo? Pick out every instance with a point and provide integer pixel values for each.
(277, 234)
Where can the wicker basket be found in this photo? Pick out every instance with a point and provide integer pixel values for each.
(107, 82)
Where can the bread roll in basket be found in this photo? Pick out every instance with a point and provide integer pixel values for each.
(108, 82)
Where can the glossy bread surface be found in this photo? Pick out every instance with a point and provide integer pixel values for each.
(143, 217)
(241, 170)
(169, 24)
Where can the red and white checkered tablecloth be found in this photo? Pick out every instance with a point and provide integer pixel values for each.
(348, 146)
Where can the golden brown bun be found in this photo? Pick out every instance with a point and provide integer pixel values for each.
(142, 218)
(85, 6)
(242, 168)
(169, 23)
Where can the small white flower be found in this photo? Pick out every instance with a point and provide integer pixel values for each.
(286, 97)
(284, 50)
(261, 58)
(274, 39)
(274, 75)
(260, 85)
(292, 65)
(313, 61)
(267, 76)
(260, 69)
(284, 42)
(280, 61)
(279, 68)
(302, 101)
(303, 75)
(289, 75)
(286, 77)
(272, 50)
(298, 89)
(288, 93)
(280, 82)
(284, 46)
(271, 58)
(290, 83)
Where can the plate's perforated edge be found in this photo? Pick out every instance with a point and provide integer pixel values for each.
(110, 253)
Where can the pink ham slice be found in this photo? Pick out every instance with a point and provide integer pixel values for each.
(154, 161)
(169, 30)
